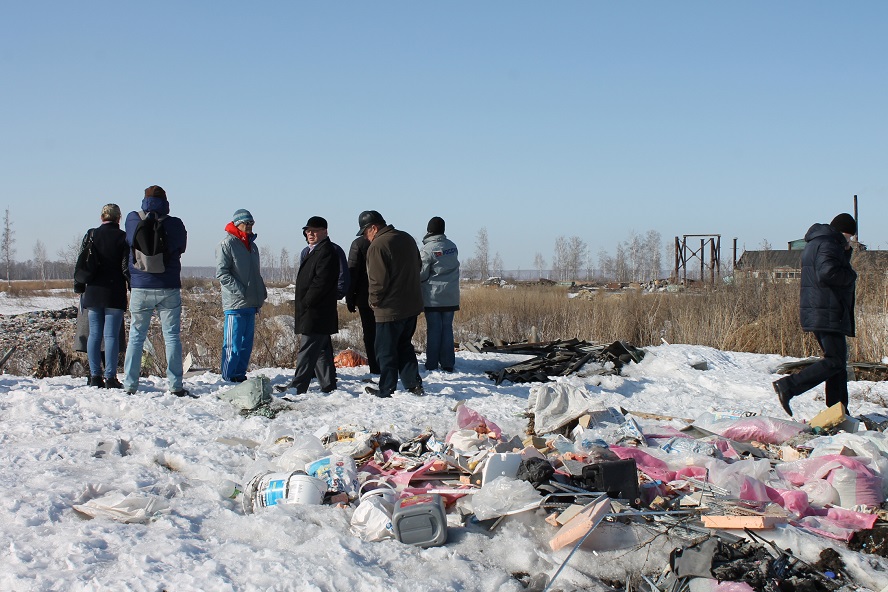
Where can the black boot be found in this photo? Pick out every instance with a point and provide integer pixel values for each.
(96, 381)
(112, 383)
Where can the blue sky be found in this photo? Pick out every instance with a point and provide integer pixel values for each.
(533, 120)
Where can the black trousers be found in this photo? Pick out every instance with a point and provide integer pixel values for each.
(368, 324)
(315, 358)
(394, 350)
(831, 369)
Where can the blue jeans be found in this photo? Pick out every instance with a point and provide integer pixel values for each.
(439, 340)
(397, 358)
(237, 342)
(168, 304)
(103, 322)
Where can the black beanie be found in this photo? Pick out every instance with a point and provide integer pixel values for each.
(436, 225)
(156, 191)
(844, 223)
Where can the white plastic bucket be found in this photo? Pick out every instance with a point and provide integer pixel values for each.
(272, 489)
(305, 489)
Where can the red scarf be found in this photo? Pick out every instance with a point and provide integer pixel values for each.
(238, 234)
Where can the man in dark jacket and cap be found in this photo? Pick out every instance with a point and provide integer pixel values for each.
(395, 296)
(316, 315)
(826, 309)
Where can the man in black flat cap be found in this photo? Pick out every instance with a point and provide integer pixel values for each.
(826, 309)
(316, 315)
(395, 296)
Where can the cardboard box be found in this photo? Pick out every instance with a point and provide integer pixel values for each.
(578, 526)
(829, 417)
(740, 522)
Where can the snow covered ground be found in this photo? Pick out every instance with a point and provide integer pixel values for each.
(186, 454)
(12, 305)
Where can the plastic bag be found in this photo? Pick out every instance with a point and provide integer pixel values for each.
(469, 419)
(340, 473)
(250, 394)
(503, 496)
(349, 358)
(372, 520)
(304, 449)
(130, 508)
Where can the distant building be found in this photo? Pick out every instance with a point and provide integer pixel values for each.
(787, 265)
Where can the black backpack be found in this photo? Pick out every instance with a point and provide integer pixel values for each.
(149, 243)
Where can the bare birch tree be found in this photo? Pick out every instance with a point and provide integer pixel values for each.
(577, 253)
(40, 260)
(7, 245)
(497, 265)
(539, 264)
(482, 253)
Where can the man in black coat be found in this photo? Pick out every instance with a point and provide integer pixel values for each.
(826, 309)
(316, 315)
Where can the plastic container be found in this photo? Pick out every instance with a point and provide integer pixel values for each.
(420, 520)
(271, 489)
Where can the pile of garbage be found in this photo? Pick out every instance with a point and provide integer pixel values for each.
(716, 483)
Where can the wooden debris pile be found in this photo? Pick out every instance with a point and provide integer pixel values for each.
(856, 370)
(557, 358)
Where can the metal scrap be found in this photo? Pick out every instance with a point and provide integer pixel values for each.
(557, 358)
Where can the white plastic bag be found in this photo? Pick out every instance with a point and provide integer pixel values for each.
(130, 508)
(372, 520)
(503, 496)
(304, 450)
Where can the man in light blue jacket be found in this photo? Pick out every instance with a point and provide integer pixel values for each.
(439, 278)
(243, 292)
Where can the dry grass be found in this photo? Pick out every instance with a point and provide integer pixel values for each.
(751, 317)
(758, 317)
(35, 287)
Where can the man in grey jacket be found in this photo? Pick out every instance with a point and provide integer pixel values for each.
(396, 299)
(439, 277)
(243, 293)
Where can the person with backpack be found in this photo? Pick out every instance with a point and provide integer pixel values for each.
(157, 241)
(243, 292)
(103, 265)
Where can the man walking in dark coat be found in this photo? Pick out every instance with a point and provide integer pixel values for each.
(826, 308)
(356, 299)
(316, 315)
(395, 296)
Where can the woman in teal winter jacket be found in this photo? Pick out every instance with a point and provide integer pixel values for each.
(243, 293)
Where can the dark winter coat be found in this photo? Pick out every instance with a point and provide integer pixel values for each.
(826, 301)
(344, 281)
(108, 288)
(393, 276)
(316, 284)
(357, 269)
(176, 240)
